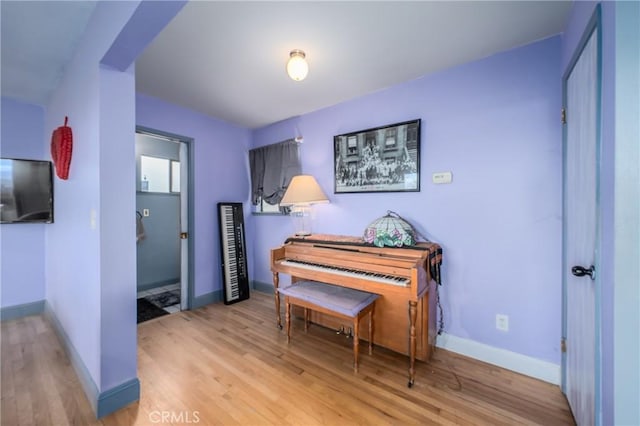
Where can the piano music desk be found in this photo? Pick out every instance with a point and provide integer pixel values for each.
(341, 302)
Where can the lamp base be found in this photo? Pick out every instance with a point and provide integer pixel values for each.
(301, 220)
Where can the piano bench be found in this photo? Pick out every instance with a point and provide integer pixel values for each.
(341, 302)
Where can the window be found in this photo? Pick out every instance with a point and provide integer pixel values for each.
(159, 174)
(390, 138)
(412, 136)
(175, 176)
(352, 145)
(272, 168)
(265, 207)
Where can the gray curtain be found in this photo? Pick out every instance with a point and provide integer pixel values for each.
(272, 168)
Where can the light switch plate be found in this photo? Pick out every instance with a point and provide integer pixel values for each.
(93, 218)
(441, 177)
(502, 322)
(145, 212)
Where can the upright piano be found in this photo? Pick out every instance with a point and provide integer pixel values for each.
(405, 278)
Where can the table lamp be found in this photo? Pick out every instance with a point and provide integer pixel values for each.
(303, 191)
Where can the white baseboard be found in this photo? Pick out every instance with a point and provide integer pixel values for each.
(542, 370)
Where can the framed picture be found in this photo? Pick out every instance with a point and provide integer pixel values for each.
(382, 159)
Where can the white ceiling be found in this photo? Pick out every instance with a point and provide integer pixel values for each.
(38, 38)
(227, 59)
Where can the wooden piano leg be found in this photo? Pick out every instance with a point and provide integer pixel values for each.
(412, 342)
(371, 329)
(276, 281)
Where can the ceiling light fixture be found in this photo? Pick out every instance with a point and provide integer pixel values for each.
(297, 66)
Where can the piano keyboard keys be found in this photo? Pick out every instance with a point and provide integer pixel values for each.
(232, 247)
(371, 276)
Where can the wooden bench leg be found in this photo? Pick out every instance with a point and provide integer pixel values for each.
(356, 342)
(287, 317)
(308, 306)
(276, 281)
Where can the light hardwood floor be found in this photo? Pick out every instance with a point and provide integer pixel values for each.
(231, 365)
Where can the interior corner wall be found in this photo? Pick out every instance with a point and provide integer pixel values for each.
(22, 279)
(90, 251)
(220, 175)
(494, 124)
(75, 243)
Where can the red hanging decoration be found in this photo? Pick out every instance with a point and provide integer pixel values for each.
(61, 147)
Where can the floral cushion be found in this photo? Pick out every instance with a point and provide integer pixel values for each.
(390, 231)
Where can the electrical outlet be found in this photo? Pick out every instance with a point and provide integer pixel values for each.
(502, 322)
(145, 212)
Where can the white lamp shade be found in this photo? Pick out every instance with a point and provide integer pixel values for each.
(297, 66)
(303, 190)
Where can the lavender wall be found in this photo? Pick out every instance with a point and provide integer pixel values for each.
(220, 171)
(74, 247)
(627, 216)
(575, 27)
(494, 124)
(90, 250)
(22, 245)
(118, 327)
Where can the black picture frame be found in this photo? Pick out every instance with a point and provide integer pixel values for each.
(380, 159)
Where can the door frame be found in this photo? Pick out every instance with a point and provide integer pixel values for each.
(190, 203)
(595, 23)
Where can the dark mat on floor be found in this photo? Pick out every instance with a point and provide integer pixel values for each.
(165, 299)
(147, 311)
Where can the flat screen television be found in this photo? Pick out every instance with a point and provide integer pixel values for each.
(26, 191)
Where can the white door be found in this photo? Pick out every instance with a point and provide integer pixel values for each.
(581, 296)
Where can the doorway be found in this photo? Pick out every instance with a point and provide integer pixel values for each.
(163, 213)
